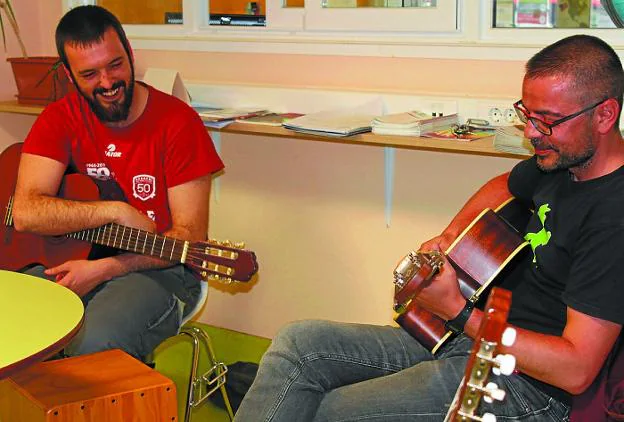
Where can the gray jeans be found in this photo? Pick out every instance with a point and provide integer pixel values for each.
(135, 312)
(327, 371)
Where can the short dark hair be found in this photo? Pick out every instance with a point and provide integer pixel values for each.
(86, 25)
(594, 67)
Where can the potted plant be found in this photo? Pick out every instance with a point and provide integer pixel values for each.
(39, 80)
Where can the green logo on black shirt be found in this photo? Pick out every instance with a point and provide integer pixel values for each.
(542, 237)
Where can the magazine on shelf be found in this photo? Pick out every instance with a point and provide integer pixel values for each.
(271, 119)
(210, 114)
(511, 139)
(331, 123)
(411, 123)
(451, 134)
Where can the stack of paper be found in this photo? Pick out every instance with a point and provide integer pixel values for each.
(511, 139)
(411, 123)
(271, 119)
(209, 114)
(331, 123)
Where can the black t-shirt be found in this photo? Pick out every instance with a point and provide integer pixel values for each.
(577, 237)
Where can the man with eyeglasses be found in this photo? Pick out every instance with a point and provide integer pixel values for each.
(567, 310)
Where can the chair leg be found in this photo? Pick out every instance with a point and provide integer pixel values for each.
(203, 386)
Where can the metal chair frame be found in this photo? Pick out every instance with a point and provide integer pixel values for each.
(202, 386)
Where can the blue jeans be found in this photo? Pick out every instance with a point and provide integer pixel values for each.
(327, 371)
(135, 312)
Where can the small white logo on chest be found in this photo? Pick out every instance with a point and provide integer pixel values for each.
(144, 186)
(111, 151)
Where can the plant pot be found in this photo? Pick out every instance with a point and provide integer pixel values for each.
(40, 80)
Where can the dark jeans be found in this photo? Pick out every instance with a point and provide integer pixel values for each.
(135, 312)
(327, 371)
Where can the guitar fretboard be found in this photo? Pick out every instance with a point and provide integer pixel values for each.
(135, 240)
(125, 238)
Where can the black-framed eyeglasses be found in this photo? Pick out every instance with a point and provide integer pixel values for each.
(543, 127)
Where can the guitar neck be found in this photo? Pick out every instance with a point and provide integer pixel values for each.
(135, 240)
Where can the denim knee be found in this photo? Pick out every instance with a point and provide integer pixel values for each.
(300, 337)
(138, 338)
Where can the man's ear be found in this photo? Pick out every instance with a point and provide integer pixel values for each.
(606, 115)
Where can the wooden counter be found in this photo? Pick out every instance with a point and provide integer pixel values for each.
(481, 146)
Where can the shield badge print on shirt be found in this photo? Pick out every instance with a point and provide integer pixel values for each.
(143, 186)
(541, 237)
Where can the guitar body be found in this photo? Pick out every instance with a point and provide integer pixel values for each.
(478, 255)
(19, 250)
(211, 259)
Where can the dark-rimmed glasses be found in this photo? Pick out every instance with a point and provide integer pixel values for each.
(543, 127)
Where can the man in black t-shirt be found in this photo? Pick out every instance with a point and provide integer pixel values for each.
(567, 309)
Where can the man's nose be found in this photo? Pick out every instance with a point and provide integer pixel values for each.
(106, 81)
(530, 131)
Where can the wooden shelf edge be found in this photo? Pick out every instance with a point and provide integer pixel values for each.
(15, 108)
(483, 146)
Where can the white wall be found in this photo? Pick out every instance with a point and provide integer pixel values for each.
(314, 214)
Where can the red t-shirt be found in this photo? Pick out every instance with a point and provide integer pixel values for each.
(166, 146)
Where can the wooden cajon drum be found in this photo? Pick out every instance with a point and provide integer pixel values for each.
(104, 387)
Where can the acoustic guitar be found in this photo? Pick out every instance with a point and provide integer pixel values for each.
(478, 256)
(493, 332)
(211, 259)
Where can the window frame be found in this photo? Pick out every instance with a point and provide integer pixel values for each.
(311, 30)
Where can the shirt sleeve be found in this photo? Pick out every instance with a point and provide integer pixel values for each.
(190, 152)
(48, 136)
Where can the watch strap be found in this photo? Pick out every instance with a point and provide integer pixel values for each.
(457, 324)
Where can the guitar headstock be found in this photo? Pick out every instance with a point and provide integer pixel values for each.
(223, 261)
(411, 272)
(493, 332)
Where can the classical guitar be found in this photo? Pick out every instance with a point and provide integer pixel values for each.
(211, 259)
(478, 255)
(493, 332)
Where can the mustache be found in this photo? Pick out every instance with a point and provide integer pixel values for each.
(538, 143)
(100, 90)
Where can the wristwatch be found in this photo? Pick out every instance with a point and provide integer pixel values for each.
(456, 325)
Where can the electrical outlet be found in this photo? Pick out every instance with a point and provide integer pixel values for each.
(496, 112)
(495, 116)
(510, 116)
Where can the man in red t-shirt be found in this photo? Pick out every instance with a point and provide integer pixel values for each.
(155, 148)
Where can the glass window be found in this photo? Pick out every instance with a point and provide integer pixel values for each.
(551, 14)
(313, 15)
(168, 12)
(237, 12)
(475, 29)
(378, 3)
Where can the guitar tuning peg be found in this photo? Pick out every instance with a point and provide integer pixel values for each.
(509, 337)
(505, 364)
(488, 417)
(493, 393)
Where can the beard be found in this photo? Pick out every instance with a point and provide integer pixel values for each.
(566, 160)
(115, 112)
